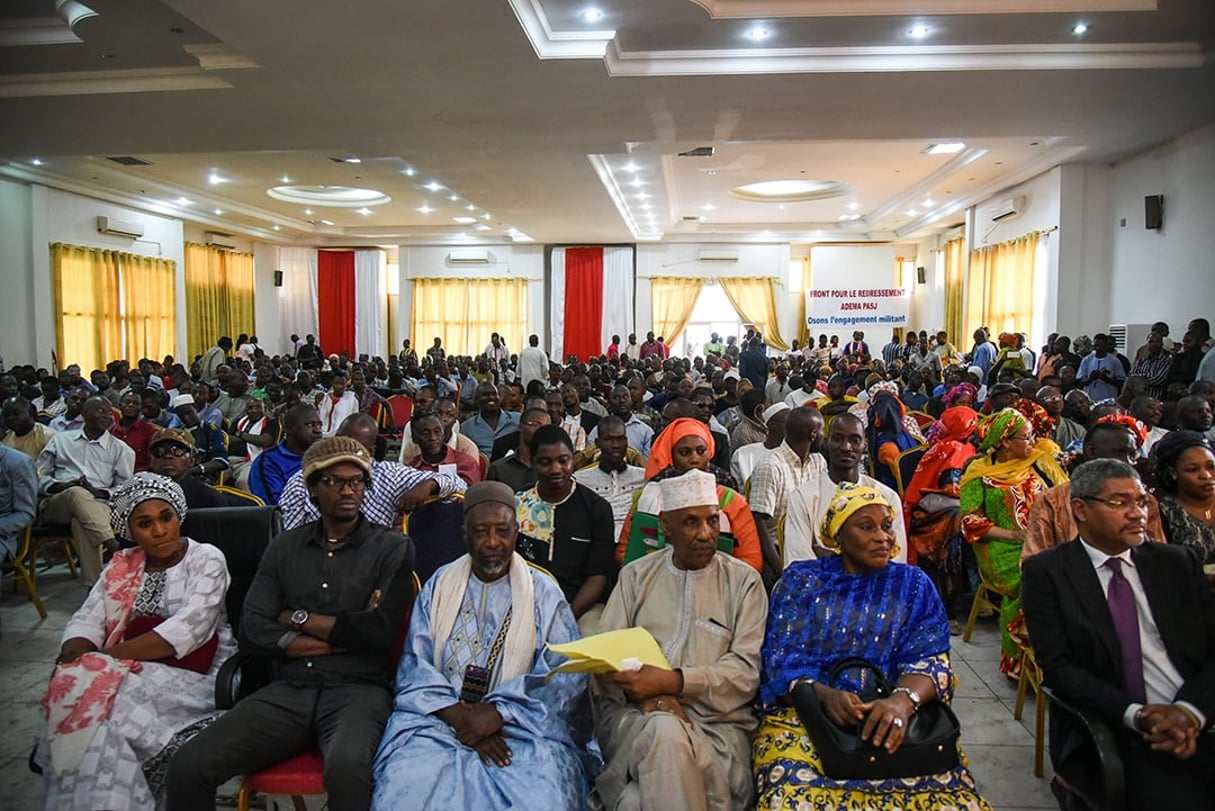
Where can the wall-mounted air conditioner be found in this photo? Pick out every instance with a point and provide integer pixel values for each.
(119, 228)
(1007, 209)
(470, 256)
(218, 239)
(1129, 337)
(718, 255)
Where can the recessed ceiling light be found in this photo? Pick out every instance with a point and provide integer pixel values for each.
(637, 182)
(1080, 28)
(642, 196)
(326, 222)
(276, 228)
(470, 207)
(36, 162)
(758, 33)
(911, 212)
(433, 185)
(631, 167)
(592, 15)
(424, 209)
(464, 220)
(485, 216)
(182, 201)
(702, 218)
(365, 211)
(947, 148)
(351, 160)
(483, 227)
(218, 211)
(410, 171)
(919, 31)
(453, 197)
(284, 179)
(646, 206)
(928, 202)
(307, 212)
(790, 191)
(708, 207)
(215, 179)
(853, 206)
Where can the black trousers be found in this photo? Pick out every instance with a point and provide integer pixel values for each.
(1157, 780)
(278, 722)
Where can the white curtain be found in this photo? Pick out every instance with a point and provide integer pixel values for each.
(617, 295)
(556, 305)
(297, 308)
(370, 301)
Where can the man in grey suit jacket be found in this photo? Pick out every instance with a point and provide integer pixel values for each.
(1132, 640)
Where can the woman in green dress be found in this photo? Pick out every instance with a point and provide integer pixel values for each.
(998, 489)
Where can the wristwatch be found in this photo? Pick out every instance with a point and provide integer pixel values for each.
(298, 617)
(911, 694)
(793, 685)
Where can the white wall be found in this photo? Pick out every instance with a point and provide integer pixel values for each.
(270, 335)
(681, 259)
(1166, 275)
(17, 339)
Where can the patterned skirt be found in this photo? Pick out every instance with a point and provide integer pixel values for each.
(788, 775)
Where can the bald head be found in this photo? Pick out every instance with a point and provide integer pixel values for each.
(361, 428)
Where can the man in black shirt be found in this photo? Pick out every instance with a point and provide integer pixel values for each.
(328, 603)
(567, 528)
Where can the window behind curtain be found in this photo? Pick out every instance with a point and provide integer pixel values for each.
(466, 312)
(111, 305)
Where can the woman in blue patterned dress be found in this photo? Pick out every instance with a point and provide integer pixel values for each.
(855, 603)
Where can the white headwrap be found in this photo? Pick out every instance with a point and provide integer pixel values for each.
(136, 490)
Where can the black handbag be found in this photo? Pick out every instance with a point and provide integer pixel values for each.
(930, 745)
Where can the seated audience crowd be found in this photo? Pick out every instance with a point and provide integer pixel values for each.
(767, 517)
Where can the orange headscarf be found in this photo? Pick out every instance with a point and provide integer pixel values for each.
(662, 451)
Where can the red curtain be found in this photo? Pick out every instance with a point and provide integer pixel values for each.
(583, 302)
(335, 301)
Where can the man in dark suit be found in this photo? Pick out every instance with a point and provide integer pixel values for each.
(1126, 629)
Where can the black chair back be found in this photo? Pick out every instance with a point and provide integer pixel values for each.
(242, 534)
(908, 461)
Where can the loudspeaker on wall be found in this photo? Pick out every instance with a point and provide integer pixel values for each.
(1153, 212)
(921, 275)
(278, 278)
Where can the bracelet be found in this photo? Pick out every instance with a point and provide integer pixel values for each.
(911, 694)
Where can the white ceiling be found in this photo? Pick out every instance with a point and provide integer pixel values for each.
(551, 126)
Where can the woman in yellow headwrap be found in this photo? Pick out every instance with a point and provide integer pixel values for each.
(998, 488)
(686, 444)
(854, 603)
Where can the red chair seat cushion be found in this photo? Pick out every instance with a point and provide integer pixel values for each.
(301, 774)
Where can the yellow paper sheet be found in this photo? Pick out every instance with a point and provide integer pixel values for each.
(605, 653)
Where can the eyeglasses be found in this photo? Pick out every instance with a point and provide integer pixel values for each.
(176, 451)
(356, 483)
(1140, 503)
(1024, 437)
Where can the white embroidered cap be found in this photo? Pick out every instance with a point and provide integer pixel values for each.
(693, 489)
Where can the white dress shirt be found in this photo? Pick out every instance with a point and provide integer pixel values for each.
(808, 504)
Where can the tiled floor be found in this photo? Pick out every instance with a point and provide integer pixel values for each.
(1000, 749)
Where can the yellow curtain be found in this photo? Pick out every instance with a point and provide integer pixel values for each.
(219, 296)
(672, 300)
(1000, 286)
(238, 293)
(465, 312)
(803, 329)
(955, 285)
(755, 301)
(85, 282)
(149, 299)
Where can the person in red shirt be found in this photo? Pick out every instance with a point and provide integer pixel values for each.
(134, 430)
(613, 350)
(436, 455)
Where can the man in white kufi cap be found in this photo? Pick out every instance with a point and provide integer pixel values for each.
(681, 738)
